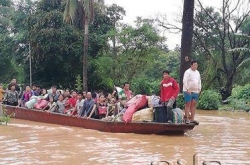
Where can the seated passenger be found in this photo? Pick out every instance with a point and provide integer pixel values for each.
(36, 90)
(72, 100)
(67, 106)
(43, 92)
(111, 107)
(11, 96)
(102, 107)
(127, 91)
(79, 104)
(66, 93)
(95, 96)
(53, 98)
(124, 95)
(26, 95)
(88, 106)
(52, 106)
(61, 104)
(84, 95)
(54, 94)
(122, 99)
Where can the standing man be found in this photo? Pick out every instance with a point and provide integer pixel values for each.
(191, 89)
(169, 92)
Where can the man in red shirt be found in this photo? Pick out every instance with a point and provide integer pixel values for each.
(169, 92)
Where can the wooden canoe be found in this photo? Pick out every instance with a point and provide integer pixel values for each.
(104, 126)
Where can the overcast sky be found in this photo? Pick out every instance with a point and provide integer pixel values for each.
(151, 8)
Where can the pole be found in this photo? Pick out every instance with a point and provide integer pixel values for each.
(30, 65)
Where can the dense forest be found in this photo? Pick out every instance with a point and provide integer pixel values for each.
(118, 52)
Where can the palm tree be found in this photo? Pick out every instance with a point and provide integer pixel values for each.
(88, 16)
(242, 50)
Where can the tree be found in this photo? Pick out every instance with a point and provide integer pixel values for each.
(187, 36)
(135, 51)
(215, 35)
(56, 46)
(115, 14)
(72, 6)
(8, 65)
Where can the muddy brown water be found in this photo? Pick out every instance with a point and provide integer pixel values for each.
(221, 136)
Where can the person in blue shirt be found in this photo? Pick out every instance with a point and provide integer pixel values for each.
(88, 106)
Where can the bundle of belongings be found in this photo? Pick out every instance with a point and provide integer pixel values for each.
(142, 108)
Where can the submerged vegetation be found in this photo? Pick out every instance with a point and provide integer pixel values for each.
(4, 117)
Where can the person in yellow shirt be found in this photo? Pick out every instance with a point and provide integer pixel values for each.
(1, 92)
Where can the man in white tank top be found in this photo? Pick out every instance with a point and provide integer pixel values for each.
(191, 89)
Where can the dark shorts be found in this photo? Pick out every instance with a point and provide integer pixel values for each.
(189, 97)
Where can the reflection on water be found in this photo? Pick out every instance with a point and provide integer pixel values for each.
(221, 136)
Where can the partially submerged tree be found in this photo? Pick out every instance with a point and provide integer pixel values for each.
(214, 36)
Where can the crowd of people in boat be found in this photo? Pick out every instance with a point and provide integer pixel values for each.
(71, 102)
(101, 105)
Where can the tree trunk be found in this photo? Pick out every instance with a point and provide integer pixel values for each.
(186, 38)
(227, 91)
(85, 54)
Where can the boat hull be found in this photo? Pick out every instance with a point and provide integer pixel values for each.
(104, 126)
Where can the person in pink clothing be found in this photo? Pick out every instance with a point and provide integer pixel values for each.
(26, 95)
(127, 91)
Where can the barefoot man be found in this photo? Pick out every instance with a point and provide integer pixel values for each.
(191, 89)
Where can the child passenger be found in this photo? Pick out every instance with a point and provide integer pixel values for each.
(78, 106)
(51, 105)
(61, 104)
(26, 95)
(111, 107)
(43, 92)
(102, 106)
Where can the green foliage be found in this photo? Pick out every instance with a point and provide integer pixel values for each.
(241, 92)
(209, 100)
(164, 61)
(133, 55)
(236, 104)
(240, 99)
(8, 66)
(180, 101)
(78, 84)
(4, 118)
(146, 86)
(221, 52)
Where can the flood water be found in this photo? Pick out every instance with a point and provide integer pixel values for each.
(221, 136)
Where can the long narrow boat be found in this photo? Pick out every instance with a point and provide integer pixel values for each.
(104, 126)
